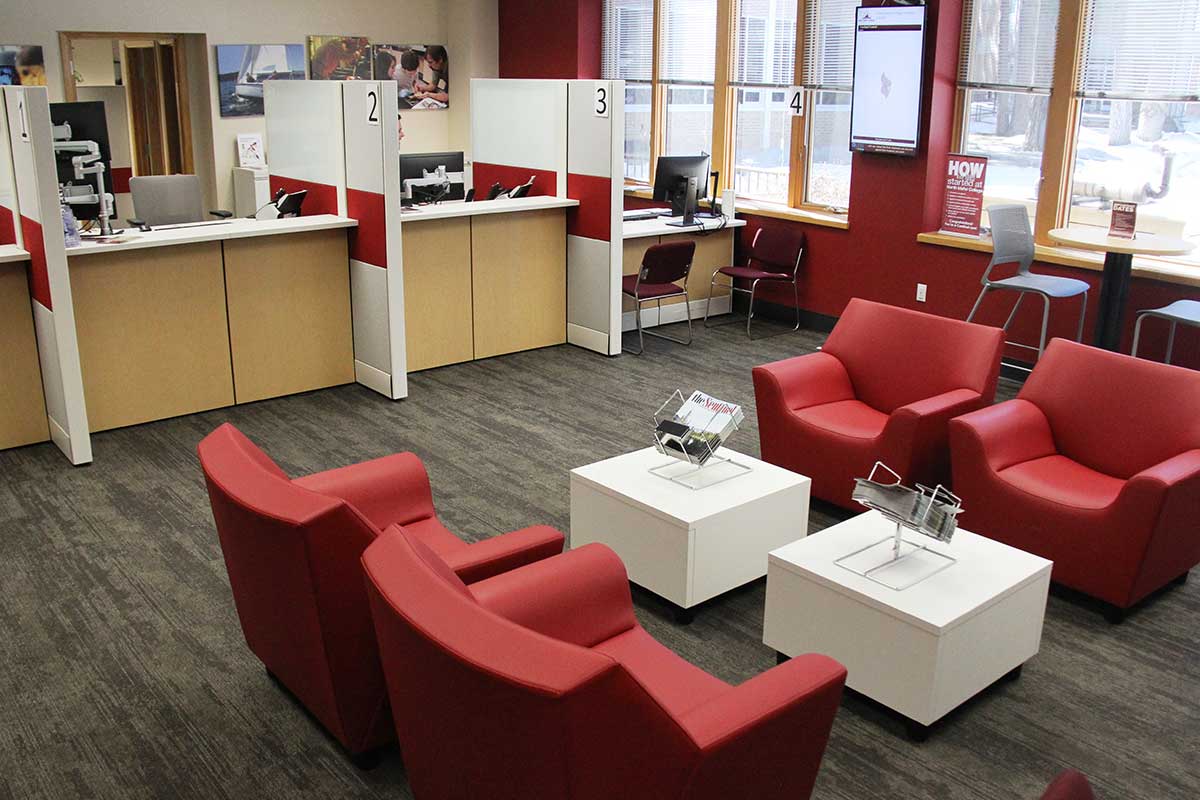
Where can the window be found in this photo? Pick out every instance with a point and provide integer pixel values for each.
(828, 75)
(1005, 74)
(687, 67)
(765, 57)
(628, 55)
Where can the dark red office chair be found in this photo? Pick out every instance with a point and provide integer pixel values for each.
(662, 266)
(775, 255)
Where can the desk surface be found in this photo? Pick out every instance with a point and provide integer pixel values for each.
(640, 228)
(480, 207)
(133, 239)
(10, 252)
(1098, 239)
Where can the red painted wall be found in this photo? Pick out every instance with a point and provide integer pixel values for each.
(541, 39)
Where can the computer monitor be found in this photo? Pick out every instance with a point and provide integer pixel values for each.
(672, 172)
(415, 166)
(88, 124)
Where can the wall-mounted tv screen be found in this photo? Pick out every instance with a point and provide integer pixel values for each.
(889, 53)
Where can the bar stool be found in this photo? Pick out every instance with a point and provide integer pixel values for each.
(1185, 311)
(1012, 242)
(662, 266)
(774, 256)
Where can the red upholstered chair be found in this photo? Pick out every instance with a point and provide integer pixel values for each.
(1095, 466)
(663, 267)
(775, 255)
(1069, 785)
(540, 684)
(882, 389)
(292, 550)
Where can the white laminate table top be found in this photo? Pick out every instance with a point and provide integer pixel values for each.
(985, 572)
(482, 207)
(234, 228)
(1146, 244)
(641, 228)
(10, 252)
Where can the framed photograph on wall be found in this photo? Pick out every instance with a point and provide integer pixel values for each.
(339, 58)
(421, 72)
(22, 65)
(242, 69)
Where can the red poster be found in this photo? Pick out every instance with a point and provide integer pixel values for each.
(1123, 224)
(964, 194)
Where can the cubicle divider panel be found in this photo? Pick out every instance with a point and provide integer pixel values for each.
(518, 130)
(9, 214)
(306, 142)
(370, 127)
(36, 179)
(595, 174)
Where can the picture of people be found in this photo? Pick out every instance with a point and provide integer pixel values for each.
(242, 69)
(339, 58)
(421, 73)
(22, 65)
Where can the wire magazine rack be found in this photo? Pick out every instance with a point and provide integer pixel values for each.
(692, 448)
(897, 562)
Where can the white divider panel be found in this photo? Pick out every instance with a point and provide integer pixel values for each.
(370, 115)
(28, 110)
(519, 124)
(306, 142)
(10, 214)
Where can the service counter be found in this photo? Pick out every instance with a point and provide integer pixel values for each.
(188, 319)
(484, 278)
(22, 403)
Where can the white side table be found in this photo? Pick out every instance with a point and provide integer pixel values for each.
(922, 651)
(688, 545)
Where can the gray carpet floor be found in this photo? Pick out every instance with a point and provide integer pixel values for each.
(123, 672)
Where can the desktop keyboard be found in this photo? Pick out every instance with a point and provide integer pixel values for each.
(635, 214)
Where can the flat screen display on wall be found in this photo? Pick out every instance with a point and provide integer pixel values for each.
(889, 55)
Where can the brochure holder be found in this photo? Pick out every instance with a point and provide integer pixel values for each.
(692, 448)
(896, 562)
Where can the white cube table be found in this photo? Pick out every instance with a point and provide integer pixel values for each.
(921, 651)
(688, 545)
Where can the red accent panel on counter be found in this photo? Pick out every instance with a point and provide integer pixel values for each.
(546, 183)
(8, 226)
(39, 279)
(368, 242)
(322, 197)
(120, 179)
(593, 218)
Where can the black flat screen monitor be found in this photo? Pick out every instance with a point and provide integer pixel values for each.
(415, 165)
(889, 58)
(672, 172)
(88, 124)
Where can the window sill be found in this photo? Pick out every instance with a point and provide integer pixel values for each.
(1153, 269)
(828, 219)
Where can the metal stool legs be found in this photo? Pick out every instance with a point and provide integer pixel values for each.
(1137, 334)
(1045, 318)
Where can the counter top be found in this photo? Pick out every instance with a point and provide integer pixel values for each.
(479, 207)
(239, 228)
(10, 252)
(639, 228)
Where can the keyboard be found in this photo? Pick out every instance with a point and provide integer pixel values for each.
(635, 214)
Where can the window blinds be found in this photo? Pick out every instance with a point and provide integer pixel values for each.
(829, 44)
(1141, 50)
(688, 41)
(1008, 45)
(766, 43)
(628, 46)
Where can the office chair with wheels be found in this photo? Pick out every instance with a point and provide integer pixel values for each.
(169, 200)
(662, 266)
(1185, 311)
(1012, 243)
(774, 256)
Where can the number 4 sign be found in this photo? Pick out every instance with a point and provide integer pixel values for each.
(601, 101)
(795, 100)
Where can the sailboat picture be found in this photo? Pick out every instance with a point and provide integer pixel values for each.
(242, 69)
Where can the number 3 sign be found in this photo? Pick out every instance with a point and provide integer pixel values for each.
(601, 101)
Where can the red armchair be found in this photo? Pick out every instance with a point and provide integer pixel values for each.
(882, 388)
(292, 550)
(562, 694)
(1069, 785)
(1095, 466)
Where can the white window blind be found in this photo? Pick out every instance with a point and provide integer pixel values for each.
(628, 47)
(688, 41)
(829, 44)
(1008, 45)
(766, 43)
(1141, 50)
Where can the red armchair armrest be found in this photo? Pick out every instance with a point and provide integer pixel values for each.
(1167, 497)
(581, 596)
(803, 381)
(392, 489)
(508, 551)
(1007, 433)
(916, 434)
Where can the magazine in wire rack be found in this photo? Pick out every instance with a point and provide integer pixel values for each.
(691, 431)
(896, 562)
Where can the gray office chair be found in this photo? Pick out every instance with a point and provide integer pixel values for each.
(1012, 243)
(1185, 311)
(169, 200)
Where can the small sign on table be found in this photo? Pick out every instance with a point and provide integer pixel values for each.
(1123, 224)
(963, 206)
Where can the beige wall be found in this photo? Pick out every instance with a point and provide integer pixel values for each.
(468, 28)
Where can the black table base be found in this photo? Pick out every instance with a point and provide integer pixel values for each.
(1114, 291)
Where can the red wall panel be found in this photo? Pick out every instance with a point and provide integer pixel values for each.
(593, 216)
(484, 175)
(321, 199)
(368, 242)
(39, 278)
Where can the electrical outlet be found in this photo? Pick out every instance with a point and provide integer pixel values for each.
(921, 288)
